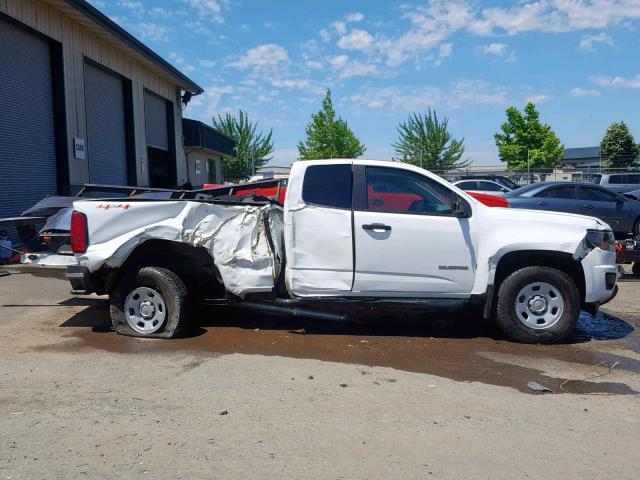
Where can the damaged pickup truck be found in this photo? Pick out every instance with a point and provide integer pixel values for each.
(350, 231)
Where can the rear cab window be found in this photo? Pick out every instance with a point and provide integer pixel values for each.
(328, 185)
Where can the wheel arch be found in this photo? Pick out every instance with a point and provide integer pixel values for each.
(515, 260)
(194, 265)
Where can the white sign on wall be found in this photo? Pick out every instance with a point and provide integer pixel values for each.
(78, 149)
(198, 169)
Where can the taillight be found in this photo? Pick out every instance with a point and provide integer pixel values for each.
(79, 232)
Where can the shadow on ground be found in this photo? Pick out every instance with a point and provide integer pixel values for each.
(452, 343)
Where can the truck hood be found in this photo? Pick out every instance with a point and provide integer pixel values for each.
(530, 218)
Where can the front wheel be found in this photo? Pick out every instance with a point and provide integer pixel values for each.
(152, 303)
(538, 305)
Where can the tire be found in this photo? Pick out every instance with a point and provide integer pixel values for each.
(153, 303)
(636, 229)
(538, 305)
(635, 268)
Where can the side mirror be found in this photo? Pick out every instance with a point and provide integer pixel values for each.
(460, 208)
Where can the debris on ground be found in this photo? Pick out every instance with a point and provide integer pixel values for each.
(300, 331)
(536, 387)
(224, 412)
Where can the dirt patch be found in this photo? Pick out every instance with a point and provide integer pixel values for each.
(455, 344)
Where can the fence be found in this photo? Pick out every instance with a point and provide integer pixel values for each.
(525, 177)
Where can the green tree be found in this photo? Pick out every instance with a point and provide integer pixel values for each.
(328, 136)
(523, 135)
(252, 149)
(618, 149)
(424, 140)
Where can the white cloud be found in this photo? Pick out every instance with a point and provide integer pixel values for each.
(340, 27)
(131, 5)
(357, 39)
(207, 63)
(354, 17)
(460, 94)
(159, 12)
(347, 67)
(498, 49)
(211, 9)
(178, 59)
(537, 98)
(313, 64)
(325, 35)
(445, 51)
(430, 26)
(584, 92)
(261, 58)
(152, 32)
(608, 81)
(587, 42)
(554, 16)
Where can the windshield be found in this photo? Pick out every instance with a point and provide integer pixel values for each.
(597, 179)
(506, 182)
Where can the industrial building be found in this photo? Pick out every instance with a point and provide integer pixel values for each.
(83, 101)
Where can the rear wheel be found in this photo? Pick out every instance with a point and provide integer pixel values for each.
(152, 303)
(538, 305)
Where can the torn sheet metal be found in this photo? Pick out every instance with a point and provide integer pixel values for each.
(234, 235)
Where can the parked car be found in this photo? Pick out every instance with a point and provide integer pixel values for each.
(383, 232)
(487, 187)
(618, 182)
(622, 214)
(633, 195)
(502, 180)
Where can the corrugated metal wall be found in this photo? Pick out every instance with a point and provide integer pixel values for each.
(27, 135)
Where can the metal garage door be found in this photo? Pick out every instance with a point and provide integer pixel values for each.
(155, 121)
(106, 133)
(27, 139)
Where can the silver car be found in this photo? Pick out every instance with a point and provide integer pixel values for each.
(488, 187)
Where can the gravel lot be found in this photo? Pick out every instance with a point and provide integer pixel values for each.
(391, 395)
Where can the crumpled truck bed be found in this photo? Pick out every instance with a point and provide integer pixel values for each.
(244, 241)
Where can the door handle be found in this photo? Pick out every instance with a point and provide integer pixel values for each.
(376, 226)
(543, 204)
(588, 206)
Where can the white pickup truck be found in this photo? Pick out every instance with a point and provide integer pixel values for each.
(350, 231)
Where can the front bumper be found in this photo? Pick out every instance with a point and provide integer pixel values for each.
(600, 276)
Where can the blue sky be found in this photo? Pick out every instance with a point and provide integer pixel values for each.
(578, 60)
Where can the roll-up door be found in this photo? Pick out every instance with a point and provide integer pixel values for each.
(106, 127)
(160, 154)
(155, 121)
(27, 135)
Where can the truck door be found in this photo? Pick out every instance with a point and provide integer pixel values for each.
(408, 241)
(318, 230)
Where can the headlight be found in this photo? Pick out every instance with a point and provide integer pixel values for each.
(602, 239)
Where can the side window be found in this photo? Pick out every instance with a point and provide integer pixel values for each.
(467, 185)
(633, 178)
(489, 187)
(558, 192)
(399, 191)
(616, 179)
(596, 195)
(328, 185)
